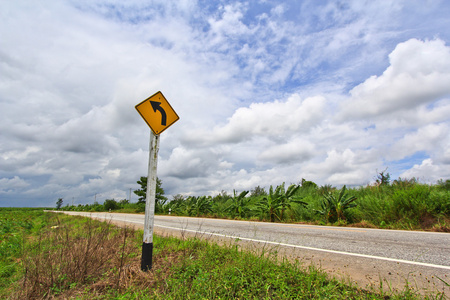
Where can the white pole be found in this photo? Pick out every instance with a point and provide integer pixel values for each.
(147, 245)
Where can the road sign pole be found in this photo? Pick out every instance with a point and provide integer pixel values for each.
(147, 245)
(159, 115)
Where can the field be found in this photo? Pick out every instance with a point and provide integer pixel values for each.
(46, 255)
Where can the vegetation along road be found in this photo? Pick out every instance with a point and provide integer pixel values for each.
(365, 256)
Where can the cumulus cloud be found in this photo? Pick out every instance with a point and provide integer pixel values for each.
(428, 171)
(184, 163)
(427, 138)
(418, 74)
(344, 167)
(270, 119)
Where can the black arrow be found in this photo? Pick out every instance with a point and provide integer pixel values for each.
(157, 106)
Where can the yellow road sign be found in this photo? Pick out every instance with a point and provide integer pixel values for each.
(157, 113)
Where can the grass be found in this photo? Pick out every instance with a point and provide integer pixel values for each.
(15, 225)
(64, 257)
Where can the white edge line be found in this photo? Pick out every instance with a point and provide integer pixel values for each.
(311, 248)
(299, 247)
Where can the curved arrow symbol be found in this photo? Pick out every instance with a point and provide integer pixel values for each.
(157, 106)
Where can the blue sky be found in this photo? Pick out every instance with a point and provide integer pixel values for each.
(267, 92)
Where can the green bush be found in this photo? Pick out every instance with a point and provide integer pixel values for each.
(110, 204)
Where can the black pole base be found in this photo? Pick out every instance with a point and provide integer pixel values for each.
(146, 260)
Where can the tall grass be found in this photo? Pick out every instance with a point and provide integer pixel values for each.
(412, 206)
(45, 255)
(61, 258)
(15, 225)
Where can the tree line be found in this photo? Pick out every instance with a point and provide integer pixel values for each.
(402, 203)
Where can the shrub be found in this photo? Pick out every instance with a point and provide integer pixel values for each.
(111, 204)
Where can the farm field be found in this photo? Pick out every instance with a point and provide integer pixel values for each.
(46, 255)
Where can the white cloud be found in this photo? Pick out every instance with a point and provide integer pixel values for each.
(185, 163)
(443, 157)
(296, 151)
(427, 171)
(418, 74)
(427, 138)
(271, 119)
(17, 154)
(227, 23)
(344, 167)
(9, 185)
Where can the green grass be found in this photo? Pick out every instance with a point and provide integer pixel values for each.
(58, 256)
(15, 225)
(213, 272)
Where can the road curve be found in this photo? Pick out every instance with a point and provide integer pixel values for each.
(365, 256)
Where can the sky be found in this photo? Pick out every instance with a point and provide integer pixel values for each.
(267, 92)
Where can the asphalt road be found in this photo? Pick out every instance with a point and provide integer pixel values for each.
(361, 255)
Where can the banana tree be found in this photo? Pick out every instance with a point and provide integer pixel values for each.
(334, 208)
(199, 206)
(288, 197)
(239, 204)
(160, 206)
(271, 204)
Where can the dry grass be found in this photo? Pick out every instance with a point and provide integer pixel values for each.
(67, 257)
(88, 261)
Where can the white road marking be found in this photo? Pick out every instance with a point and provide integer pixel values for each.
(290, 245)
(311, 248)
